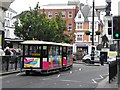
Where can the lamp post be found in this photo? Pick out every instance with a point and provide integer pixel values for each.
(92, 51)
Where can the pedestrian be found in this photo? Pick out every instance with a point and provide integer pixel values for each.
(7, 57)
(102, 59)
(2, 53)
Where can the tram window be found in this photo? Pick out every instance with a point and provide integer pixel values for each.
(64, 51)
(44, 51)
(26, 50)
(35, 50)
(60, 50)
(57, 50)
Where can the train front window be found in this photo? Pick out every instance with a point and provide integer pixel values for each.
(32, 50)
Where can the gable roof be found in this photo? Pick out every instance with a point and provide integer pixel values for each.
(85, 11)
(91, 13)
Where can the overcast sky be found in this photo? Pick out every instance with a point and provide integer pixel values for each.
(22, 5)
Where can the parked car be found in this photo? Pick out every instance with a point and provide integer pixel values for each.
(87, 58)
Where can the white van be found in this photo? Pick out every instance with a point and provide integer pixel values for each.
(87, 58)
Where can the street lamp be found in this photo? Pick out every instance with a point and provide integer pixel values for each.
(93, 49)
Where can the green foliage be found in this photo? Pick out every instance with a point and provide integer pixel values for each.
(40, 27)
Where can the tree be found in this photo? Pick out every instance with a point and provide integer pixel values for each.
(38, 26)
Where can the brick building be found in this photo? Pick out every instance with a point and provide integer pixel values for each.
(68, 12)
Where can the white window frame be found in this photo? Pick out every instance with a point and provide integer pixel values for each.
(69, 26)
(79, 15)
(70, 14)
(49, 14)
(79, 25)
(96, 25)
(56, 14)
(90, 25)
(95, 38)
(63, 14)
(81, 36)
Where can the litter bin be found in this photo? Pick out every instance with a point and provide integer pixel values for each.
(103, 57)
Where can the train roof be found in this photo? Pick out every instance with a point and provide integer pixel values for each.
(37, 42)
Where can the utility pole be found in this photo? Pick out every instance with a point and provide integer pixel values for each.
(118, 62)
(93, 49)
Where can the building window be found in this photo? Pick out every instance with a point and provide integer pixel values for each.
(63, 14)
(8, 15)
(79, 25)
(69, 26)
(56, 14)
(70, 14)
(79, 37)
(94, 38)
(5, 22)
(95, 26)
(90, 26)
(8, 24)
(79, 15)
(49, 14)
(11, 15)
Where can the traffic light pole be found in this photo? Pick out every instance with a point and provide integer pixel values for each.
(92, 51)
(118, 62)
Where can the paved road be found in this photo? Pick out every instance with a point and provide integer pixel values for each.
(80, 76)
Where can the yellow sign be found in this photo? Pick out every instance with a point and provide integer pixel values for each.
(0, 40)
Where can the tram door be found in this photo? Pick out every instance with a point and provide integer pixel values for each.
(45, 63)
(64, 55)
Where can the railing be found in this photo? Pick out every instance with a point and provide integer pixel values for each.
(9, 63)
(112, 70)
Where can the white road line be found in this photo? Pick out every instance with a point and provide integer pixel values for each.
(58, 75)
(71, 72)
(68, 84)
(94, 81)
(101, 76)
(80, 85)
(80, 69)
(18, 74)
(46, 79)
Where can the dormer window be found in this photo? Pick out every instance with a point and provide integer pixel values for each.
(79, 15)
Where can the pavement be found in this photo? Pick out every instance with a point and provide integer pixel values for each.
(102, 84)
(105, 83)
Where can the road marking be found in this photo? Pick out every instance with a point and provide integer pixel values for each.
(46, 79)
(18, 74)
(58, 75)
(70, 81)
(101, 76)
(80, 69)
(80, 85)
(68, 84)
(70, 72)
(94, 81)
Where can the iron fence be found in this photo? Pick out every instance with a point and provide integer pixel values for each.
(9, 63)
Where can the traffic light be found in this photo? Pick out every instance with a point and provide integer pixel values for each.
(116, 27)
